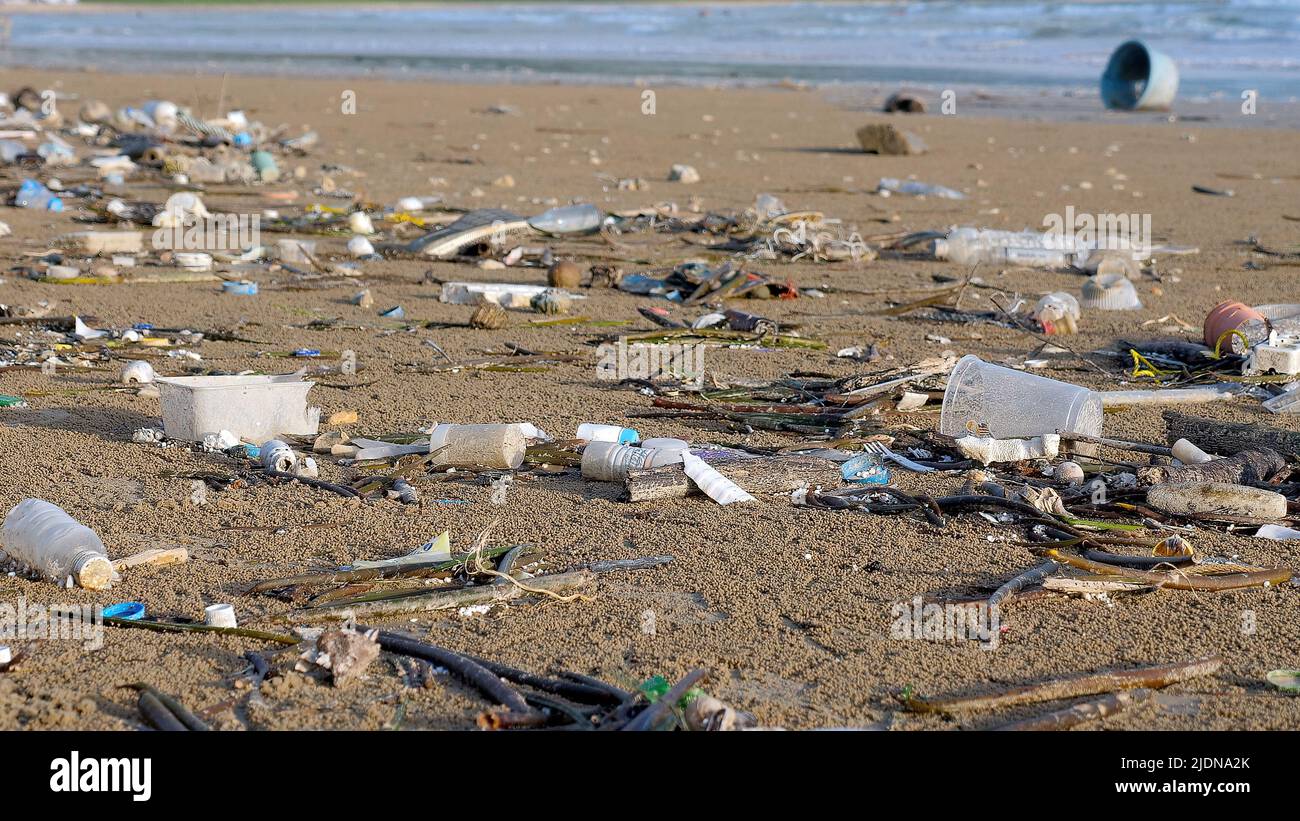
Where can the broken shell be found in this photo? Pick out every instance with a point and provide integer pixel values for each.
(137, 372)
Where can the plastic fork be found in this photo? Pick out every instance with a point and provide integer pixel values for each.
(883, 450)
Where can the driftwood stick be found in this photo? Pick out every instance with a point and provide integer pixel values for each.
(1079, 713)
(758, 476)
(1073, 687)
(1176, 579)
(1214, 436)
(449, 599)
(1250, 467)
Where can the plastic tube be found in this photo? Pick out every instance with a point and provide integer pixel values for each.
(716, 486)
(1175, 396)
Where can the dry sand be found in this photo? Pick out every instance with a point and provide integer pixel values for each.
(788, 609)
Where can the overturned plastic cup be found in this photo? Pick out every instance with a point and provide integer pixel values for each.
(988, 400)
(1139, 78)
(1110, 292)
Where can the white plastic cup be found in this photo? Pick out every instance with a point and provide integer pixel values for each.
(220, 615)
(1012, 404)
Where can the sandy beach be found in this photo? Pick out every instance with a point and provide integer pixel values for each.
(788, 609)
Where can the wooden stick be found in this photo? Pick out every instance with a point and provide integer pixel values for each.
(155, 557)
(1230, 437)
(1072, 687)
(168, 627)
(1079, 713)
(1176, 579)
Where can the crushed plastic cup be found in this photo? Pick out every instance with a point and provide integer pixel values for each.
(1110, 292)
(985, 399)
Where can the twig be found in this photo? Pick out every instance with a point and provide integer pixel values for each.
(1177, 579)
(1072, 687)
(1079, 713)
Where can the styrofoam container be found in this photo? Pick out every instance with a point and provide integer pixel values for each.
(254, 408)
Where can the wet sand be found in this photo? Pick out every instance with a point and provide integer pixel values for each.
(788, 609)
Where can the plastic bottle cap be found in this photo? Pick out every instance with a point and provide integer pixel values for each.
(220, 615)
(132, 610)
(6, 654)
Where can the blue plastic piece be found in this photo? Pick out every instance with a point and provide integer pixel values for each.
(132, 610)
(866, 469)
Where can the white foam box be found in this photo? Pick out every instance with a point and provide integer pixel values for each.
(254, 408)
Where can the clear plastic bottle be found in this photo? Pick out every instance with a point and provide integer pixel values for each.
(569, 219)
(915, 188)
(966, 246)
(46, 539)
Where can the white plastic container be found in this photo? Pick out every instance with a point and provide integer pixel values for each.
(501, 447)
(46, 539)
(254, 408)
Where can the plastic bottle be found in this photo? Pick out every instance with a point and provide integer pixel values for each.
(967, 246)
(914, 188)
(501, 447)
(31, 194)
(46, 539)
(593, 432)
(611, 462)
(569, 219)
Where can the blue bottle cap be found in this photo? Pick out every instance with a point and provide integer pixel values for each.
(132, 610)
(628, 436)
